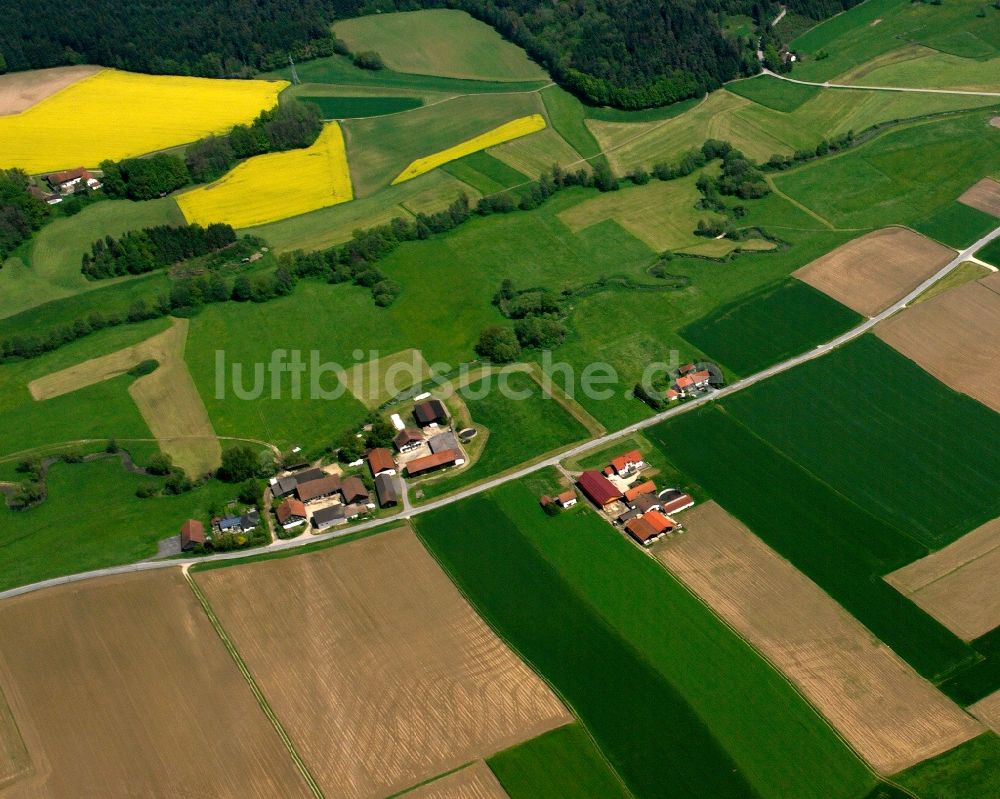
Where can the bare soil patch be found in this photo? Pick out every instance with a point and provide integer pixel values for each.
(960, 584)
(984, 195)
(995, 122)
(870, 273)
(891, 716)
(15, 763)
(988, 711)
(956, 337)
(168, 398)
(376, 665)
(21, 90)
(121, 687)
(473, 782)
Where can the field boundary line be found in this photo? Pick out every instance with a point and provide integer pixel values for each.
(437, 777)
(303, 769)
(805, 209)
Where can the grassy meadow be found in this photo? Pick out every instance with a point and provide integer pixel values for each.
(485, 173)
(957, 225)
(972, 769)
(657, 660)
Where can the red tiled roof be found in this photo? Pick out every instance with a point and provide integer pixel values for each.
(659, 522)
(683, 370)
(639, 489)
(192, 532)
(289, 509)
(598, 488)
(700, 377)
(404, 437)
(618, 464)
(69, 174)
(684, 383)
(680, 503)
(566, 496)
(672, 394)
(435, 461)
(380, 460)
(641, 530)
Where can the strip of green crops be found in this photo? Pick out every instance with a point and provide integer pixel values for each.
(678, 704)
(346, 107)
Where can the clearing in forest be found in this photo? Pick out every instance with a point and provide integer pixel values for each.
(167, 398)
(21, 90)
(870, 273)
(892, 717)
(960, 584)
(956, 337)
(121, 687)
(379, 669)
(983, 196)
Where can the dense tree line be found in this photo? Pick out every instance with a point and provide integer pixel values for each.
(140, 251)
(287, 126)
(626, 53)
(20, 213)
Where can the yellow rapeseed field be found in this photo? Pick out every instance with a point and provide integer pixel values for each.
(275, 186)
(507, 131)
(116, 114)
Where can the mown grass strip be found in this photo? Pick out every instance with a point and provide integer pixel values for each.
(314, 788)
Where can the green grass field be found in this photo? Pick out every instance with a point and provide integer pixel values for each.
(519, 430)
(443, 42)
(93, 519)
(773, 93)
(957, 225)
(972, 769)
(658, 666)
(51, 268)
(991, 253)
(563, 762)
(568, 117)
(766, 327)
(485, 173)
(881, 28)
(346, 107)
(899, 177)
(538, 153)
(379, 148)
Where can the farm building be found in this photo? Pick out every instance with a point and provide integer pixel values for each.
(385, 490)
(598, 489)
(354, 510)
(430, 412)
(628, 515)
(643, 531)
(648, 487)
(645, 503)
(407, 440)
(325, 518)
(249, 521)
(443, 441)
(380, 462)
(567, 499)
(317, 489)
(430, 463)
(353, 490)
(628, 463)
(291, 513)
(690, 383)
(662, 523)
(192, 534)
(674, 501)
(283, 486)
(71, 179)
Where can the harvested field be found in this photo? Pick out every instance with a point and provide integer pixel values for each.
(960, 584)
(394, 678)
(21, 90)
(984, 196)
(121, 687)
(956, 337)
(14, 760)
(892, 717)
(377, 381)
(472, 782)
(988, 711)
(167, 398)
(870, 273)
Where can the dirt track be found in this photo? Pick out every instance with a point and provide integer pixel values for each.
(121, 688)
(956, 337)
(375, 664)
(21, 90)
(960, 584)
(890, 715)
(870, 273)
(984, 196)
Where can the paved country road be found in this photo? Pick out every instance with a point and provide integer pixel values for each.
(409, 512)
(828, 85)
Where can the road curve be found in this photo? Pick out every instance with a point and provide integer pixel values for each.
(410, 512)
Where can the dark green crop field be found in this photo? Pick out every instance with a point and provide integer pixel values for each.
(770, 325)
(957, 225)
(781, 95)
(347, 107)
(485, 173)
(645, 664)
(991, 253)
(885, 434)
(967, 771)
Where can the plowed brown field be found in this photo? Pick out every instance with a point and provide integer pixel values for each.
(375, 664)
(121, 688)
(956, 337)
(984, 196)
(960, 584)
(891, 716)
(21, 90)
(472, 782)
(988, 711)
(870, 273)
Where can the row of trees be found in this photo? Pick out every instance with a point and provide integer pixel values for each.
(140, 251)
(20, 213)
(289, 125)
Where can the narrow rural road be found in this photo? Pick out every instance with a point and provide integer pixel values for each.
(409, 512)
(828, 85)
